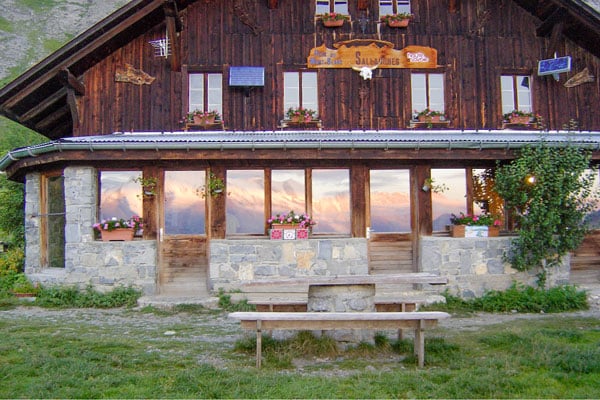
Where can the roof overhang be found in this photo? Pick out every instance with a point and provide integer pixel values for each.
(440, 147)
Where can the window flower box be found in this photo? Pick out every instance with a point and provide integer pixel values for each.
(333, 20)
(483, 225)
(117, 235)
(400, 20)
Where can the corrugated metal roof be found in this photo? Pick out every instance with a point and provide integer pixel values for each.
(289, 140)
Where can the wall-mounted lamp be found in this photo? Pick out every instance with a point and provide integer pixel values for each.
(530, 179)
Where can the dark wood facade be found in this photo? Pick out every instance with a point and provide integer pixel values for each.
(476, 42)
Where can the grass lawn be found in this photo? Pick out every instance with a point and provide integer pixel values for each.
(197, 353)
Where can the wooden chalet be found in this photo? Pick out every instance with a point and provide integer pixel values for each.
(114, 104)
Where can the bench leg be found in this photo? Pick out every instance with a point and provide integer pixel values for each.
(420, 344)
(258, 343)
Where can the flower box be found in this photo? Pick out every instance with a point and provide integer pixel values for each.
(520, 119)
(208, 120)
(117, 235)
(470, 231)
(333, 23)
(403, 23)
(433, 118)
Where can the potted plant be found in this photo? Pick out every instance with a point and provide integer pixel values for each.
(519, 117)
(198, 117)
(482, 225)
(214, 186)
(148, 185)
(118, 229)
(300, 115)
(399, 20)
(333, 19)
(429, 116)
(290, 226)
(429, 184)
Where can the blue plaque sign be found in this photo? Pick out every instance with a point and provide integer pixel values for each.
(553, 66)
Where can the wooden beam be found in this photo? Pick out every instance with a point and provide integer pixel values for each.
(73, 108)
(174, 26)
(43, 105)
(52, 119)
(69, 81)
(546, 27)
(555, 39)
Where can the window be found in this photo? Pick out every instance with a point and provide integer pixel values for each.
(300, 90)
(245, 202)
(206, 92)
(287, 191)
(393, 7)
(390, 201)
(120, 194)
(53, 221)
(327, 6)
(450, 201)
(184, 205)
(331, 200)
(516, 93)
(427, 91)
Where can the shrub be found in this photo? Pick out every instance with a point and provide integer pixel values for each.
(11, 262)
(64, 297)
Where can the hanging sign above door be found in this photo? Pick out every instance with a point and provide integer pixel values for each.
(371, 53)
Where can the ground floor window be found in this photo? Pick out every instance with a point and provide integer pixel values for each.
(53, 221)
(390, 201)
(245, 202)
(120, 194)
(184, 206)
(331, 200)
(452, 199)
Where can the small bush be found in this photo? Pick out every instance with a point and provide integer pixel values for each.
(65, 297)
(519, 298)
(226, 304)
(12, 261)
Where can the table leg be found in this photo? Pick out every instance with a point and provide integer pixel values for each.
(420, 344)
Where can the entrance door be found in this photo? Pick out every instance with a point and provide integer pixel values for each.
(390, 233)
(183, 262)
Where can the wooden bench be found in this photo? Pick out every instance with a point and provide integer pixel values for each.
(418, 321)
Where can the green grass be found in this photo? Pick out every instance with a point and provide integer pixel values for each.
(6, 25)
(85, 356)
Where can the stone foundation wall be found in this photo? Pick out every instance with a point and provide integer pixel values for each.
(234, 261)
(475, 265)
(103, 265)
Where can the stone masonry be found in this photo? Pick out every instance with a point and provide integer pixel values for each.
(476, 265)
(103, 265)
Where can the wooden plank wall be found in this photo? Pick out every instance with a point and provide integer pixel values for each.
(475, 44)
(585, 261)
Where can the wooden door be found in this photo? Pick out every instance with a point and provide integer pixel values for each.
(183, 262)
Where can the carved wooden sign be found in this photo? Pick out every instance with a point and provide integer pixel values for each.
(371, 53)
(129, 74)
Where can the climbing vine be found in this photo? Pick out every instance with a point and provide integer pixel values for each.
(549, 191)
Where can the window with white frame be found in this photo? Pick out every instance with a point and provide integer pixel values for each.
(300, 90)
(327, 6)
(427, 91)
(387, 7)
(516, 93)
(206, 92)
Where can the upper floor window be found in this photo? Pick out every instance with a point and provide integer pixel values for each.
(206, 92)
(516, 93)
(300, 90)
(327, 6)
(427, 91)
(387, 7)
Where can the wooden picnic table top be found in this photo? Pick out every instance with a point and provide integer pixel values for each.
(404, 278)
